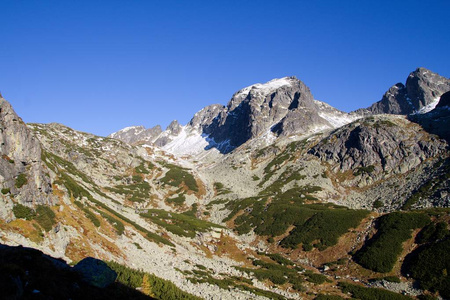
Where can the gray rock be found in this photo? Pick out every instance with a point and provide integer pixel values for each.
(21, 168)
(137, 134)
(284, 106)
(378, 145)
(95, 272)
(421, 89)
(205, 117)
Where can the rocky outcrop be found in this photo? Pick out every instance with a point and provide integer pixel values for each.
(377, 146)
(22, 173)
(136, 134)
(420, 94)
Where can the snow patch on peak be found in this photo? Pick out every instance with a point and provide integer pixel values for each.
(266, 88)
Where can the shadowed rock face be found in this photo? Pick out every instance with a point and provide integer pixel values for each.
(422, 88)
(21, 167)
(444, 101)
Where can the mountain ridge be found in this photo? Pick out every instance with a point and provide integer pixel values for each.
(285, 106)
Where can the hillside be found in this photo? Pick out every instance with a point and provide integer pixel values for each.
(275, 195)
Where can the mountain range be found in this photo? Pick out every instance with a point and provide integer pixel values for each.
(275, 195)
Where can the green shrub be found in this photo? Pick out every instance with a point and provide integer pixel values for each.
(326, 222)
(381, 252)
(378, 204)
(328, 297)
(138, 191)
(45, 217)
(326, 226)
(23, 212)
(141, 169)
(5, 191)
(392, 279)
(315, 278)
(177, 175)
(430, 265)
(179, 200)
(117, 224)
(88, 213)
(73, 188)
(364, 293)
(21, 180)
(91, 216)
(307, 247)
(364, 170)
(432, 232)
(280, 259)
(179, 224)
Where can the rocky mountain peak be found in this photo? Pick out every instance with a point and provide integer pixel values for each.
(420, 94)
(261, 90)
(259, 108)
(424, 88)
(174, 127)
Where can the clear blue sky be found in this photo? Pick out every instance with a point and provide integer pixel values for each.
(99, 65)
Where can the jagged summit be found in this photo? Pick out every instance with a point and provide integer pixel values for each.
(420, 94)
(266, 88)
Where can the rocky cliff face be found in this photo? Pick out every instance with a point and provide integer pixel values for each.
(420, 94)
(23, 176)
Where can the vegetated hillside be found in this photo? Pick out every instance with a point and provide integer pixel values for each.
(356, 206)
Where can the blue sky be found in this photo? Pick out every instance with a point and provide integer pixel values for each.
(98, 66)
